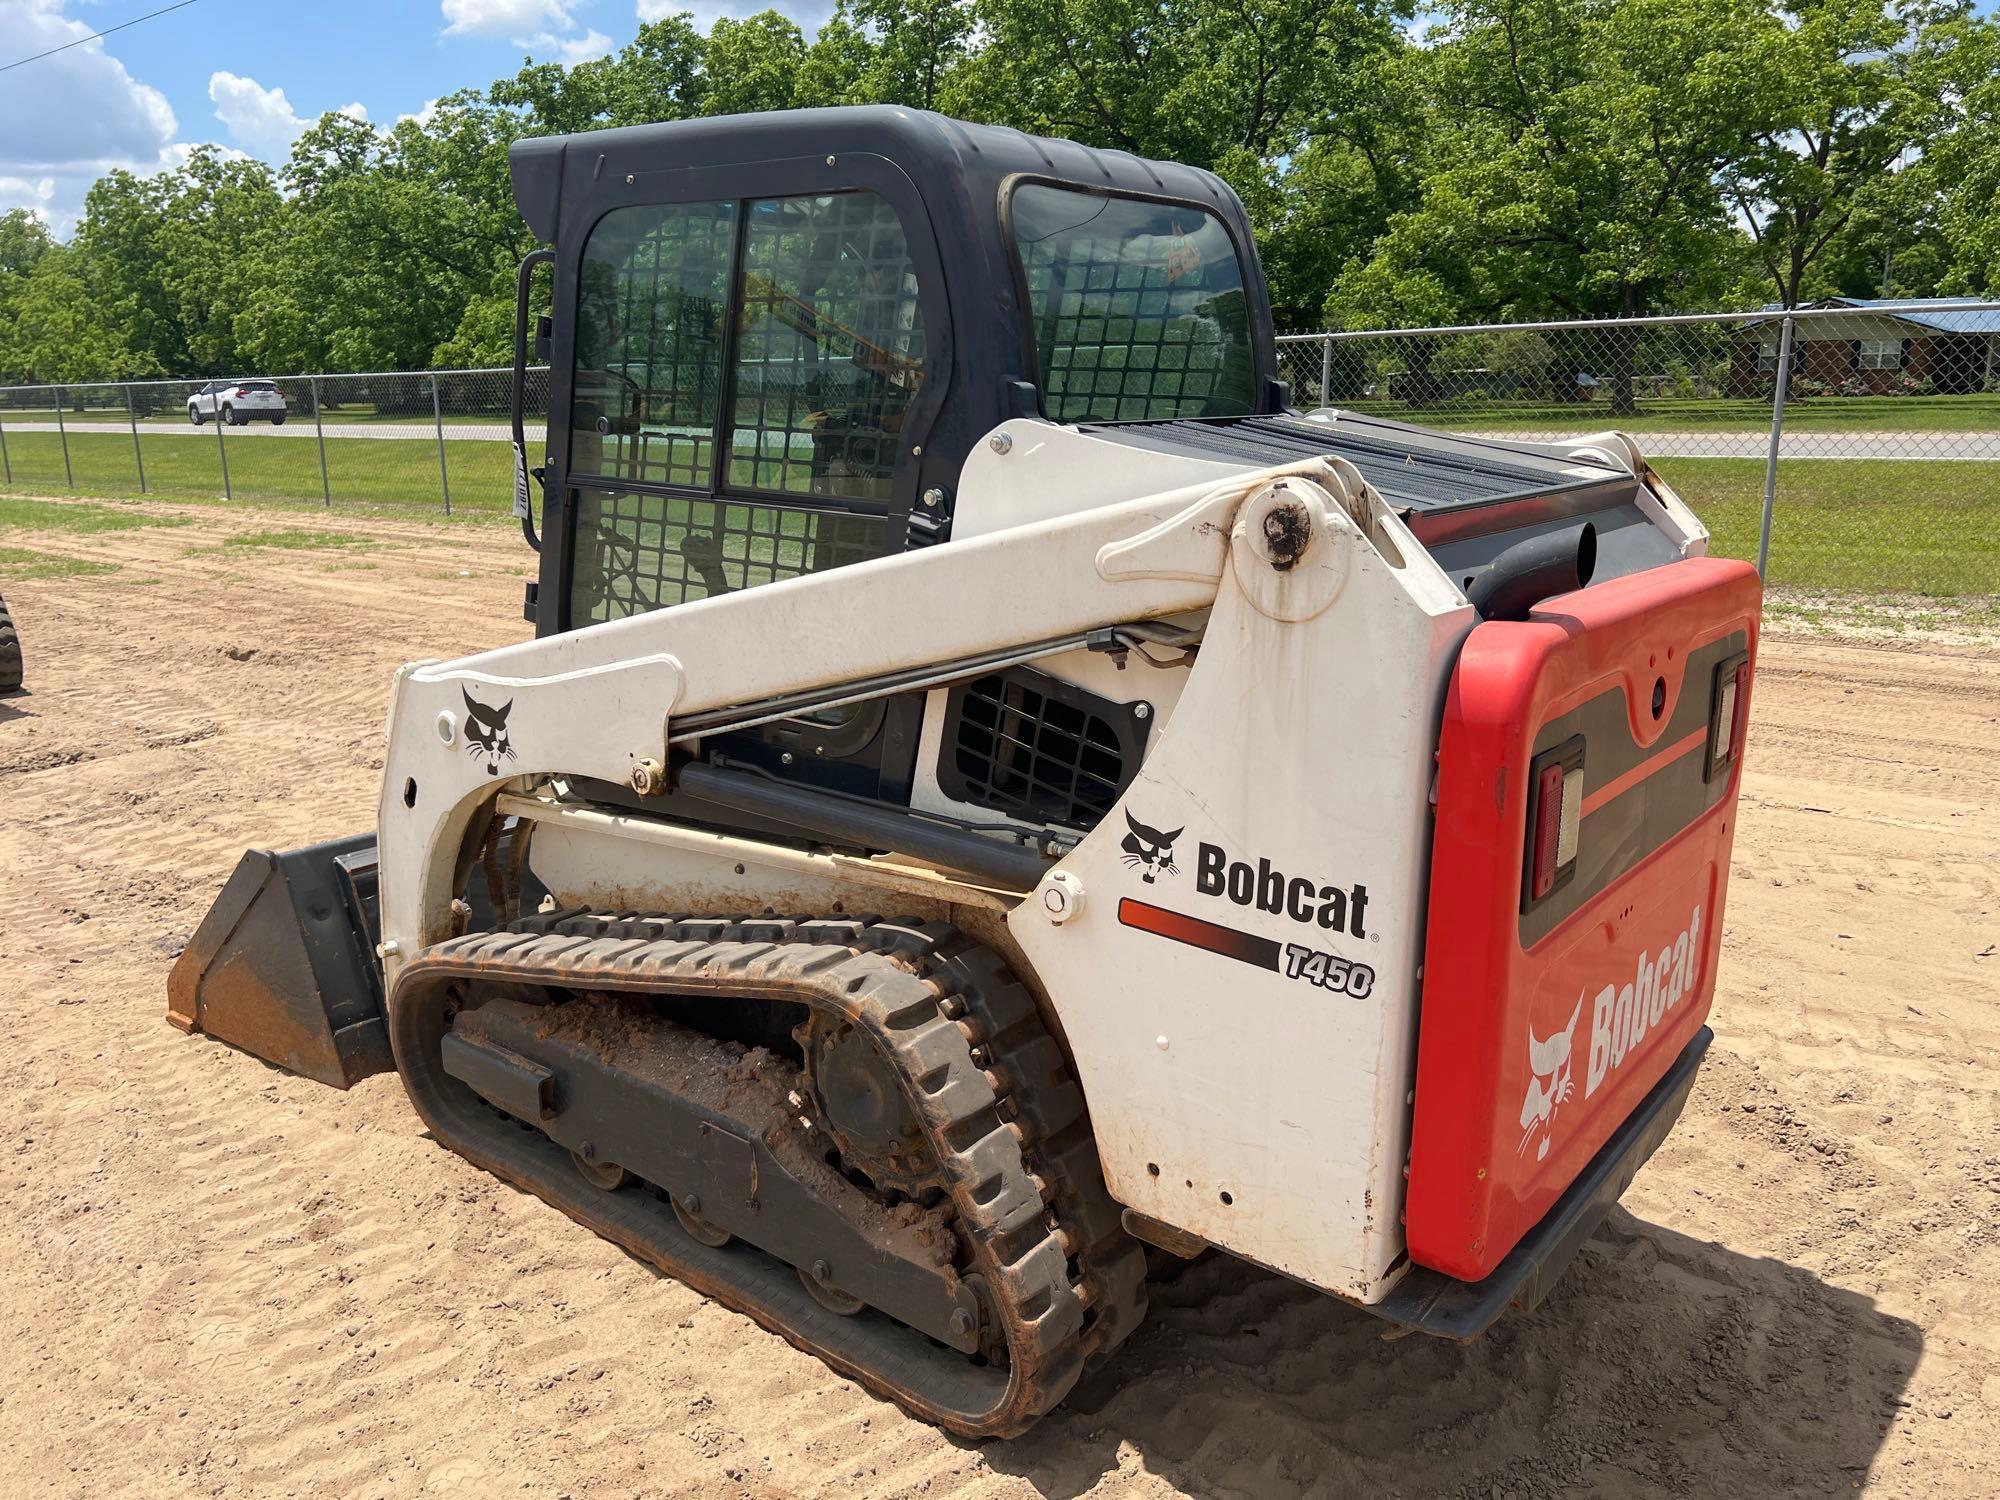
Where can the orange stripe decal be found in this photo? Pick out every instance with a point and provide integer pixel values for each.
(1645, 768)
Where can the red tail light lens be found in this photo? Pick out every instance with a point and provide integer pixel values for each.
(1555, 821)
(242, 390)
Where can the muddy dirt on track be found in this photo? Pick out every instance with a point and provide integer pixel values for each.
(219, 1279)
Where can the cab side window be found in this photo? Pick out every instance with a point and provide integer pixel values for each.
(743, 374)
(831, 352)
(1138, 307)
(652, 297)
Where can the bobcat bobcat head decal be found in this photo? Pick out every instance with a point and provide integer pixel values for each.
(1550, 1085)
(1149, 850)
(486, 732)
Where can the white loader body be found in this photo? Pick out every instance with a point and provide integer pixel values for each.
(1259, 1100)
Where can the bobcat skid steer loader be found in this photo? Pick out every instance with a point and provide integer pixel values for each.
(993, 788)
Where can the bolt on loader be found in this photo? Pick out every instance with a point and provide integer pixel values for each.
(994, 788)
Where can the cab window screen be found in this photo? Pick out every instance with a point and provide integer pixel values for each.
(830, 349)
(635, 552)
(651, 301)
(1138, 308)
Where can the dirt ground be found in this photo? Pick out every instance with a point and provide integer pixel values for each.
(219, 1279)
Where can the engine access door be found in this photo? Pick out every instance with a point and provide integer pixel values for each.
(1586, 802)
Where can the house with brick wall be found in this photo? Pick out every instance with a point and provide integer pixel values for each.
(1888, 346)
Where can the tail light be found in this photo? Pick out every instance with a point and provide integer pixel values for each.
(1728, 714)
(242, 390)
(1555, 811)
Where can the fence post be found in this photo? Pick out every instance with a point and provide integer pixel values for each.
(1326, 370)
(437, 416)
(319, 431)
(69, 474)
(6, 463)
(1784, 383)
(132, 416)
(222, 449)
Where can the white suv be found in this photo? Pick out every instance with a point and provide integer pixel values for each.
(237, 402)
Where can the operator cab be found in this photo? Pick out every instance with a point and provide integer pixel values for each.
(779, 336)
(781, 343)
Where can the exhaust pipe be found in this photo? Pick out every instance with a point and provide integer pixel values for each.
(1557, 562)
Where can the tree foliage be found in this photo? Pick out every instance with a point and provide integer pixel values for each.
(1520, 158)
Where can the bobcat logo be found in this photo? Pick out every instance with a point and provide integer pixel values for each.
(486, 732)
(1548, 1061)
(1149, 850)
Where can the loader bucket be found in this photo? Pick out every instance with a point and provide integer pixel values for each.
(284, 963)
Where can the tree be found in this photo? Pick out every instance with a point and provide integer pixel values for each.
(1845, 89)
(57, 327)
(1568, 164)
(1197, 81)
(1960, 168)
(24, 240)
(752, 64)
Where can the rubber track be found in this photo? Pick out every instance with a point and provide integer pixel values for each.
(10, 652)
(984, 1077)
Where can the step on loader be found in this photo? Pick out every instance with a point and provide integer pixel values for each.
(994, 788)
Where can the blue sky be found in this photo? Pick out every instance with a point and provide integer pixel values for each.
(248, 74)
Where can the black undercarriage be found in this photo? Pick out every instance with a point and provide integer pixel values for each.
(857, 1132)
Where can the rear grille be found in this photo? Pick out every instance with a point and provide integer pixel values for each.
(1033, 746)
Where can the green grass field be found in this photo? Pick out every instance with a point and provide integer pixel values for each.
(1862, 528)
(299, 416)
(184, 464)
(1855, 526)
(1674, 414)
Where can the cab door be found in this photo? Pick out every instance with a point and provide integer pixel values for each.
(740, 396)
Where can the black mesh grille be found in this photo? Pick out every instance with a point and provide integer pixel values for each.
(643, 552)
(1028, 744)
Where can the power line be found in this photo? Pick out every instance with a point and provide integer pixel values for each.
(95, 35)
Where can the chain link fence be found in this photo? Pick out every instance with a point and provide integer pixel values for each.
(434, 441)
(1852, 450)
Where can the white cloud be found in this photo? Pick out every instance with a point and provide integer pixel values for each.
(261, 119)
(567, 49)
(15, 190)
(508, 18)
(74, 116)
(35, 197)
(545, 28)
(76, 107)
(423, 116)
(176, 156)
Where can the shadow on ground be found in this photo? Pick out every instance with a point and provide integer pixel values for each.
(1660, 1365)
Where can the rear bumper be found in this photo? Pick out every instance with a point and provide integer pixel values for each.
(1427, 1301)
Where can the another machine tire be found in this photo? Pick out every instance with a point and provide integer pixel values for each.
(10, 652)
(194, 415)
(278, 420)
(229, 416)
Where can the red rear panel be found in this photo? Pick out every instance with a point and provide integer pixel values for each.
(1546, 1021)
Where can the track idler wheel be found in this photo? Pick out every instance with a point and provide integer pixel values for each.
(687, 1209)
(818, 1280)
(607, 1175)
